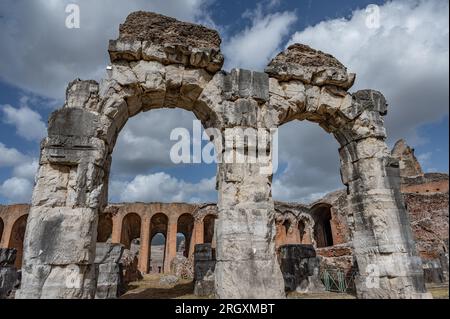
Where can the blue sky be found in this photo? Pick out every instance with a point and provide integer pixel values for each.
(405, 57)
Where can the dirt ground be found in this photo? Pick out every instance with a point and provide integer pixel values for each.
(150, 288)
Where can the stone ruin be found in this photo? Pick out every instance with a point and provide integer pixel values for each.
(159, 62)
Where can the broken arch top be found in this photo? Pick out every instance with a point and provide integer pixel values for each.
(303, 63)
(154, 37)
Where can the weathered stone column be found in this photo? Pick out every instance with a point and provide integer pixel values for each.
(171, 243)
(384, 247)
(145, 245)
(59, 248)
(246, 260)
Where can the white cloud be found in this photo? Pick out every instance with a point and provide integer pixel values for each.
(311, 161)
(28, 123)
(27, 169)
(41, 55)
(17, 190)
(253, 47)
(145, 141)
(161, 187)
(406, 59)
(10, 156)
(19, 186)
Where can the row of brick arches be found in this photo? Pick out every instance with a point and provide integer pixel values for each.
(159, 237)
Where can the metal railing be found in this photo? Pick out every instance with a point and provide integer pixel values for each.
(337, 280)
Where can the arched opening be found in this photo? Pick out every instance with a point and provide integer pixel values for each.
(131, 232)
(17, 237)
(323, 234)
(181, 245)
(104, 228)
(157, 252)
(185, 226)
(308, 163)
(301, 230)
(158, 234)
(287, 227)
(208, 228)
(2, 225)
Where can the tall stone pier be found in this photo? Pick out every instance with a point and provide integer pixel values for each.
(159, 62)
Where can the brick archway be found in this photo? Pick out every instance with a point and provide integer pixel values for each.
(17, 238)
(153, 68)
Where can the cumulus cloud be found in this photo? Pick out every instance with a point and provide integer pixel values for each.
(253, 47)
(162, 187)
(19, 186)
(41, 55)
(17, 190)
(145, 143)
(406, 58)
(28, 123)
(10, 156)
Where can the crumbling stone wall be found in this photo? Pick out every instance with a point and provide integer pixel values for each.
(153, 68)
(409, 165)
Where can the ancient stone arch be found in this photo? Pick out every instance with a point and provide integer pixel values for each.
(159, 62)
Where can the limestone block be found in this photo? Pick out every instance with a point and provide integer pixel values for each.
(193, 83)
(82, 94)
(62, 236)
(73, 122)
(123, 74)
(143, 69)
(125, 49)
(350, 107)
(108, 270)
(372, 100)
(246, 84)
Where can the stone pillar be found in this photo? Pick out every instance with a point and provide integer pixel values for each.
(246, 260)
(144, 252)
(171, 243)
(116, 235)
(247, 266)
(59, 246)
(388, 263)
